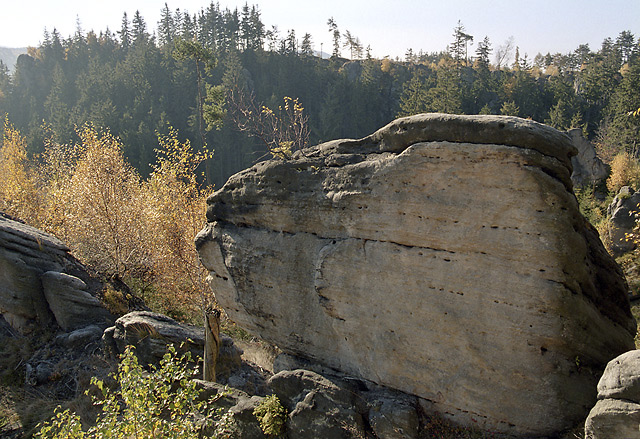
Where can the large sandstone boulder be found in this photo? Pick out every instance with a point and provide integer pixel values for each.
(617, 412)
(444, 256)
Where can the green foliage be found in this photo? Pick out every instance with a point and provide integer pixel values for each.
(271, 415)
(213, 108)
(485, 110)
(414, 95)
(459, 47)
(163, 403)
(594, 209)
(194, 50)
(625, 124)
(510, 109)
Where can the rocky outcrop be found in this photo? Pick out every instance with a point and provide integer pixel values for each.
(70, 302)
(622, 213)
(322, 406)
(444, 256)
(617, 412)
(151, 333)
(41, 283)
(587, 166)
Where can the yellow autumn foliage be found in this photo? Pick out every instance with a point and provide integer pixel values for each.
(625, 171)
(139, 230)
(19, 192)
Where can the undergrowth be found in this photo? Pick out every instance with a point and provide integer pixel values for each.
(23, 406)
(162, 403)
(271, 415)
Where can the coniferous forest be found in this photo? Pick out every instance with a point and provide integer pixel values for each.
(139, 82)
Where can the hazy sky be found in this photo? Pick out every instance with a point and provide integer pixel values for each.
(390, 27)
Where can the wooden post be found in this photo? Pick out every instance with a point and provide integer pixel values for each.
(211, 343)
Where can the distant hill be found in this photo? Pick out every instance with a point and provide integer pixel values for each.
(9, 56)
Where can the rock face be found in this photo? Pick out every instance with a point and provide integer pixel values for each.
(622, 213)
(587, 166)
(40, 282)
(617, 412)
(444, 256)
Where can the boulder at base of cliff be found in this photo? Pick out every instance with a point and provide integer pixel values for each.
(444, 256)
(617, 413)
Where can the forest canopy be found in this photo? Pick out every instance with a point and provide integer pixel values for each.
(132, 83)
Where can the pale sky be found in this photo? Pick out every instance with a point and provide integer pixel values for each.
(390, 27)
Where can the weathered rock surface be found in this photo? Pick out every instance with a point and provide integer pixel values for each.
(389, 414)
(587, 166)
(622, 214)
(80, 338)
(323, 406)
(151, 333)
(239, 406)
(393, 416)
(72, 305)
(444, 256)
(617, 412)
(26, 254)
(317, 407)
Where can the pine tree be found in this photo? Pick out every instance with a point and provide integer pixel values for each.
(458, 49)
(625, 123)
(335, 33)
(306, 48)
(290, 45)
(166, 27)
(414, 97)
(482, 54)
(139, 32)
(125, 33)
(625, 45)
(257, 27)
(354, 45)
(445, 97)
(246, 28)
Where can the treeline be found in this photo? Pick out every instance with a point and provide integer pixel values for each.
(131, 82)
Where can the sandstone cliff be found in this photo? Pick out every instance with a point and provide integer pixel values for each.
(444, 256)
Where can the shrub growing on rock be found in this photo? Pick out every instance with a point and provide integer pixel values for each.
(271, 415)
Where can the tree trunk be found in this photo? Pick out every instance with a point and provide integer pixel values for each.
(211, 343)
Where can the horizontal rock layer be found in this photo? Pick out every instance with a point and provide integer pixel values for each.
(444, 256)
